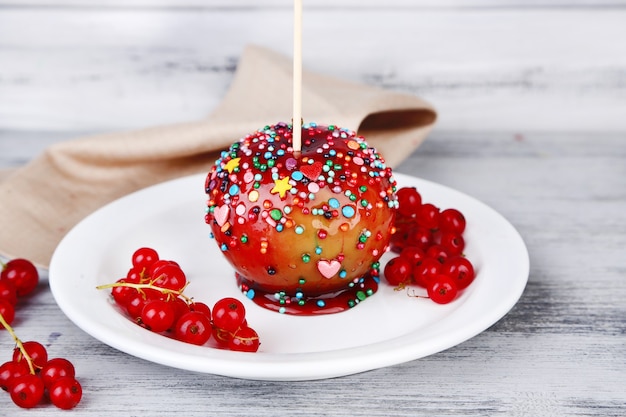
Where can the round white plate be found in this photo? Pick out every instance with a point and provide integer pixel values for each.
(387, 329)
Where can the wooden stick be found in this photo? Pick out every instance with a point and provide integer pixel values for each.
(297, 76)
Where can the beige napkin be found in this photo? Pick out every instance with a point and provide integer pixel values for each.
(42, 201)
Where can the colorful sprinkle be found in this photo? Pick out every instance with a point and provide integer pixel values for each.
(232, 164)
(233, 190)
(348, 211)
(281, 186)
(253, 196)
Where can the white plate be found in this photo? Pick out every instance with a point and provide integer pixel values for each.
(386, 329)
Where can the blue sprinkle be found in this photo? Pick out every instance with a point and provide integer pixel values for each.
(250, 293)
(333, 202)
(224, 247)
(348, 211)
(321, 303)
(267, 155)
(297, 175)
(299, 295)
(279, 227)
(282, 310)
(233, 190)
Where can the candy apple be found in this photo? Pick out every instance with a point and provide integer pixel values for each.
(303, 230)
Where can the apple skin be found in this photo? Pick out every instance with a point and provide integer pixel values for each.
(308, 224)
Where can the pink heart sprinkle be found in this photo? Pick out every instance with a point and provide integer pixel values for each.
(328, 269)
(221, 214)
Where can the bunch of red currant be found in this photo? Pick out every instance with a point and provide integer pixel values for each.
(29, 375)
(18, 278)
(152, 294)
(430, 245)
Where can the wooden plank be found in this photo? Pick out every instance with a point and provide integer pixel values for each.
(317, 4)
(483, 70)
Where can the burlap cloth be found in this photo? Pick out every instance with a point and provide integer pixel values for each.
(41, 201)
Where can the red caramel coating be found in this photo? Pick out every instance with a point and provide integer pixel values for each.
(300, 230)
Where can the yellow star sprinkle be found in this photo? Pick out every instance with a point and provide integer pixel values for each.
(281, 186)
(232, 164)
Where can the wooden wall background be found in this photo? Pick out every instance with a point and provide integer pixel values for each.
(74, 67)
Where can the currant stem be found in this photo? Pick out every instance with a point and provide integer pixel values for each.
(149, 285)
(413, 294)
(19, 344)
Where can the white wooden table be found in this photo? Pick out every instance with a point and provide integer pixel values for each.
(533, 122)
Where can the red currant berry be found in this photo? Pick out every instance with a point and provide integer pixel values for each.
(180, 307)
(244, 340)
(144, 258)
(442, 289)
(409, 201)
(27, 391)
(452, 220)
(158, 264)
(426, 271)
(193, 327)
(158, 315)
(35, 350)
(169, 276)
(22, 274)
(428, 216)
(200, 307)
(122, 295)
(137, 276)
(413, 254)
(9, 371)
(65, 393)
(56, 368)
(398, 270)
(135, 305)
(7, 311)
(420, 236)
(155, 294)
(228, 314)
(460, 269)
(453, 243)
(437, 252)
(222, 337)
(8, 292)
